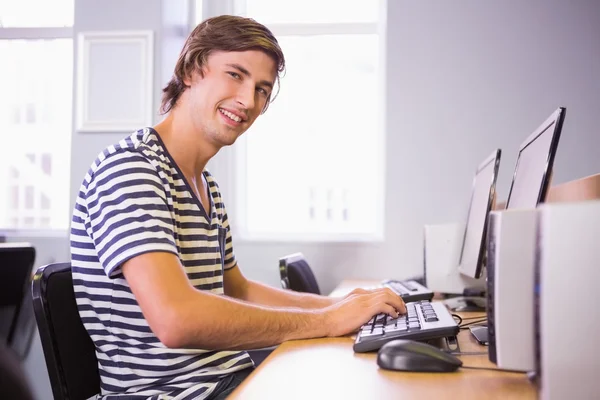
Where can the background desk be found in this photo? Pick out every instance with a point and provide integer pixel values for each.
(329, 369)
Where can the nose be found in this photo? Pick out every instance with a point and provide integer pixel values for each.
(245, 96)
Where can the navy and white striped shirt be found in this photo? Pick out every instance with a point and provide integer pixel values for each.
(135, 200)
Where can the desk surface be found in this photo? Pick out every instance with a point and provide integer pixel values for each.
(329, 369)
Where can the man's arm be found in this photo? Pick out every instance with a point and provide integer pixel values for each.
(236, 285)
(184, 317)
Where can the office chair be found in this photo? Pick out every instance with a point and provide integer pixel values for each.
(16, 264)
(297, 275)
(68, 349)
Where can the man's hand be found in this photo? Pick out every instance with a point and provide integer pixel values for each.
(358, 307)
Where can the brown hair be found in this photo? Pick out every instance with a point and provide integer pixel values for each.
(225, 33)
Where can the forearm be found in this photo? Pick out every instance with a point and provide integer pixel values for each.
(259, 293)
(214, 322)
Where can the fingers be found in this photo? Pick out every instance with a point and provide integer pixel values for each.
(389, 310)
(400, 305)
(383, 296)
(392, 299)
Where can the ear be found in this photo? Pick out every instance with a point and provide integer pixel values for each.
(194, 75)
(187, 79)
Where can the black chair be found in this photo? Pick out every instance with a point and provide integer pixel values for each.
(68, 349)
(296, 274)
(16, 265)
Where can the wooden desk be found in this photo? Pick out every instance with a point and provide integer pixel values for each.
(329, 369)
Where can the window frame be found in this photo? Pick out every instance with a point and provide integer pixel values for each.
(36, 33)
(230, 166)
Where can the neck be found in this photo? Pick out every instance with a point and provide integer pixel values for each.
(188, 147)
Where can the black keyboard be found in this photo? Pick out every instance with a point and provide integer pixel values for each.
(423, 320)
(409, 290)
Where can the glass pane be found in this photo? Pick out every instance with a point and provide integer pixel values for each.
(37, 82)
(313, 11)
(319, 142)
(36, 13)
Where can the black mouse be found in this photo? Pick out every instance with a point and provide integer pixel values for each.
(410, 355)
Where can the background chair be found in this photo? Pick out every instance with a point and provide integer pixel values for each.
(16, 319)
(297, 275)
(68, 349)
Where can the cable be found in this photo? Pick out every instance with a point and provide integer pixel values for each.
(472, 323)
(460, 320)
(468, 353)
(465, 325)
(481, 316)
(494, 369)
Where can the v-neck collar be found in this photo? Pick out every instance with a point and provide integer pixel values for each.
(207, 214)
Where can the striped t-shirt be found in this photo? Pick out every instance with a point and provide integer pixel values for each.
(135, 200)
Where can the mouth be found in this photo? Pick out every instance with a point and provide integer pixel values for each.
(231, 117)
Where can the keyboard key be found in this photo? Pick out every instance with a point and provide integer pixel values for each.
(398, 328)
(391, 322)
(378, 332)
(380, 318)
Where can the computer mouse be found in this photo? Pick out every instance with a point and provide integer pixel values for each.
(410, 355)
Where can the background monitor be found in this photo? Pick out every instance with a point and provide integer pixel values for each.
(16, 308)
(482, 199)
(533, 171)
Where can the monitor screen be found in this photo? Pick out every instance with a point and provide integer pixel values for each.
(482, 198)
(534, 164)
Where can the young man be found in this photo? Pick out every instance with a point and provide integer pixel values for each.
(156, 280)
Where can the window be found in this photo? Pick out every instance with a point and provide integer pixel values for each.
(312, 167)
(36, 75)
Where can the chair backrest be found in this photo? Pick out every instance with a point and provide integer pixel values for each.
(68, 349)
(16, 264)
(297, 275)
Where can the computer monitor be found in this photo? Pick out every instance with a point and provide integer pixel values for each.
(482, 200)
(530, 185)
(533, 171)
(16, 322)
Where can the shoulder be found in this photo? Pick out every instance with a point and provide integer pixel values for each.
(141, 149)
(136, 159)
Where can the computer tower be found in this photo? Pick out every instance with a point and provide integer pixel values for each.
(567, 279)
(510, 271)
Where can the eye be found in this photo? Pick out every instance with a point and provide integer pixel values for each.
(262, 91)
(234, 75)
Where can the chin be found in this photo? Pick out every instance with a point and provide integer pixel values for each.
(228, 140)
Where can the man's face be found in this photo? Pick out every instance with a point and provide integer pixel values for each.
(226, 101)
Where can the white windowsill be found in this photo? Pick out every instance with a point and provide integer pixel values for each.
(241, 237)
(35, 233)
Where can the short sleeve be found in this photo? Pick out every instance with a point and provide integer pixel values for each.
(128, 211)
